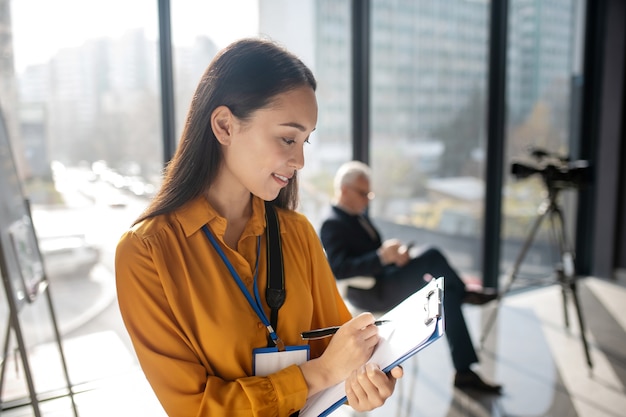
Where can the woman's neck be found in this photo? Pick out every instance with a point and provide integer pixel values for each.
(235, 208)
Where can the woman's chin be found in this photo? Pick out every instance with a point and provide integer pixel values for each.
(268, 196)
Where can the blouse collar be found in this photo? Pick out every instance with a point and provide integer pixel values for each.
(198, 212)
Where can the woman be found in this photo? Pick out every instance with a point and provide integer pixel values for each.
(193, 328)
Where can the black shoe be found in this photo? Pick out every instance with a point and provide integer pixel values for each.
(471, 380)
(479, 298)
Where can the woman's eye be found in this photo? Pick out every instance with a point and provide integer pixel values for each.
(289, 141)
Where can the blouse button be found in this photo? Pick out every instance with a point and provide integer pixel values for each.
(260, 325)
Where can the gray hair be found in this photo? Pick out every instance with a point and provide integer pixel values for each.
(349, 172)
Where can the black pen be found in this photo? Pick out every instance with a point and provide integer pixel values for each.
(329, 331)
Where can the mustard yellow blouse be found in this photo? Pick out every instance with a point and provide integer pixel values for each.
(193, 329)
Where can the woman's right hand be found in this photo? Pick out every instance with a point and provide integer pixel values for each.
(349, 349)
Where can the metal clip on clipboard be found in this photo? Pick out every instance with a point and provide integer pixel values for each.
(432, 306)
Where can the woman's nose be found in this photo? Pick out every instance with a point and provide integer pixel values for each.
(297, 158)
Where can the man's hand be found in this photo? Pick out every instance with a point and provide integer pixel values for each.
(392, 251)
(403, 255)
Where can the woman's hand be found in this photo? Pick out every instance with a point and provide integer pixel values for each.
(350, 348)
(352, 345)
(368, 387)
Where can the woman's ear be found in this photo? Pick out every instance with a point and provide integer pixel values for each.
(222, 121)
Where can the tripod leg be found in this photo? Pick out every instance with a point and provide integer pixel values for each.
(569, 281)
(543, 210)
(561, 274)
(573, 288)
(563, 282)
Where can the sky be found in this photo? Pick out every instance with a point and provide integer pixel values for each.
(42, 27)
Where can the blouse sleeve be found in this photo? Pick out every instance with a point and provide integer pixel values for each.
(183, 384)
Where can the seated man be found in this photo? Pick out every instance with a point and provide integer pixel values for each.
(354, 247)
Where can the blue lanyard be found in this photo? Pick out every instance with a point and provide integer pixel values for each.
(255, 302)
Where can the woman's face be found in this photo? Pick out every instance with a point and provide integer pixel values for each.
(265, 151)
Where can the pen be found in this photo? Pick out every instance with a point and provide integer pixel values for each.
(329, 331)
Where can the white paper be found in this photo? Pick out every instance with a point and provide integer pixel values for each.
(405, 335)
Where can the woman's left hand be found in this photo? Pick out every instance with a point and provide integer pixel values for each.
(368, 387)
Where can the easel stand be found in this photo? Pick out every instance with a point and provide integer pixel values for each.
(15, 325)
(22, 269)
(565, 271)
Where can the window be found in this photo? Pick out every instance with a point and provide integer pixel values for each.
(86, 113)
(542, 71)
(429, 70)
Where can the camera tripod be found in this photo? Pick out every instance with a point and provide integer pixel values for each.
(565, 270)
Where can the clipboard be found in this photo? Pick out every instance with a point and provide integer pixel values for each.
(417, 322)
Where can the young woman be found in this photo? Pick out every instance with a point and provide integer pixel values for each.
(191, 272)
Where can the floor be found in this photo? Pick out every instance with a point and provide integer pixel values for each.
(540, 362)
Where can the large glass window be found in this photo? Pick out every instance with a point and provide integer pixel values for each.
(87, 131)
(428, 78)
(543, 71)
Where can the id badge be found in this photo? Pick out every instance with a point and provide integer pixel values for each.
(268, 360)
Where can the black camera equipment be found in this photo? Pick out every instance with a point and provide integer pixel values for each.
(558, 173)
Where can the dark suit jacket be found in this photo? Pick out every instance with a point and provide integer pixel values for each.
(350, 249)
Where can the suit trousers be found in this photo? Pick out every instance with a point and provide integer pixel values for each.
(395, 284)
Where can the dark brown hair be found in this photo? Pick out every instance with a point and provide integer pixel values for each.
(245, 76)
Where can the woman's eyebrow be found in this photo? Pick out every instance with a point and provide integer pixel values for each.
(296, 125)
